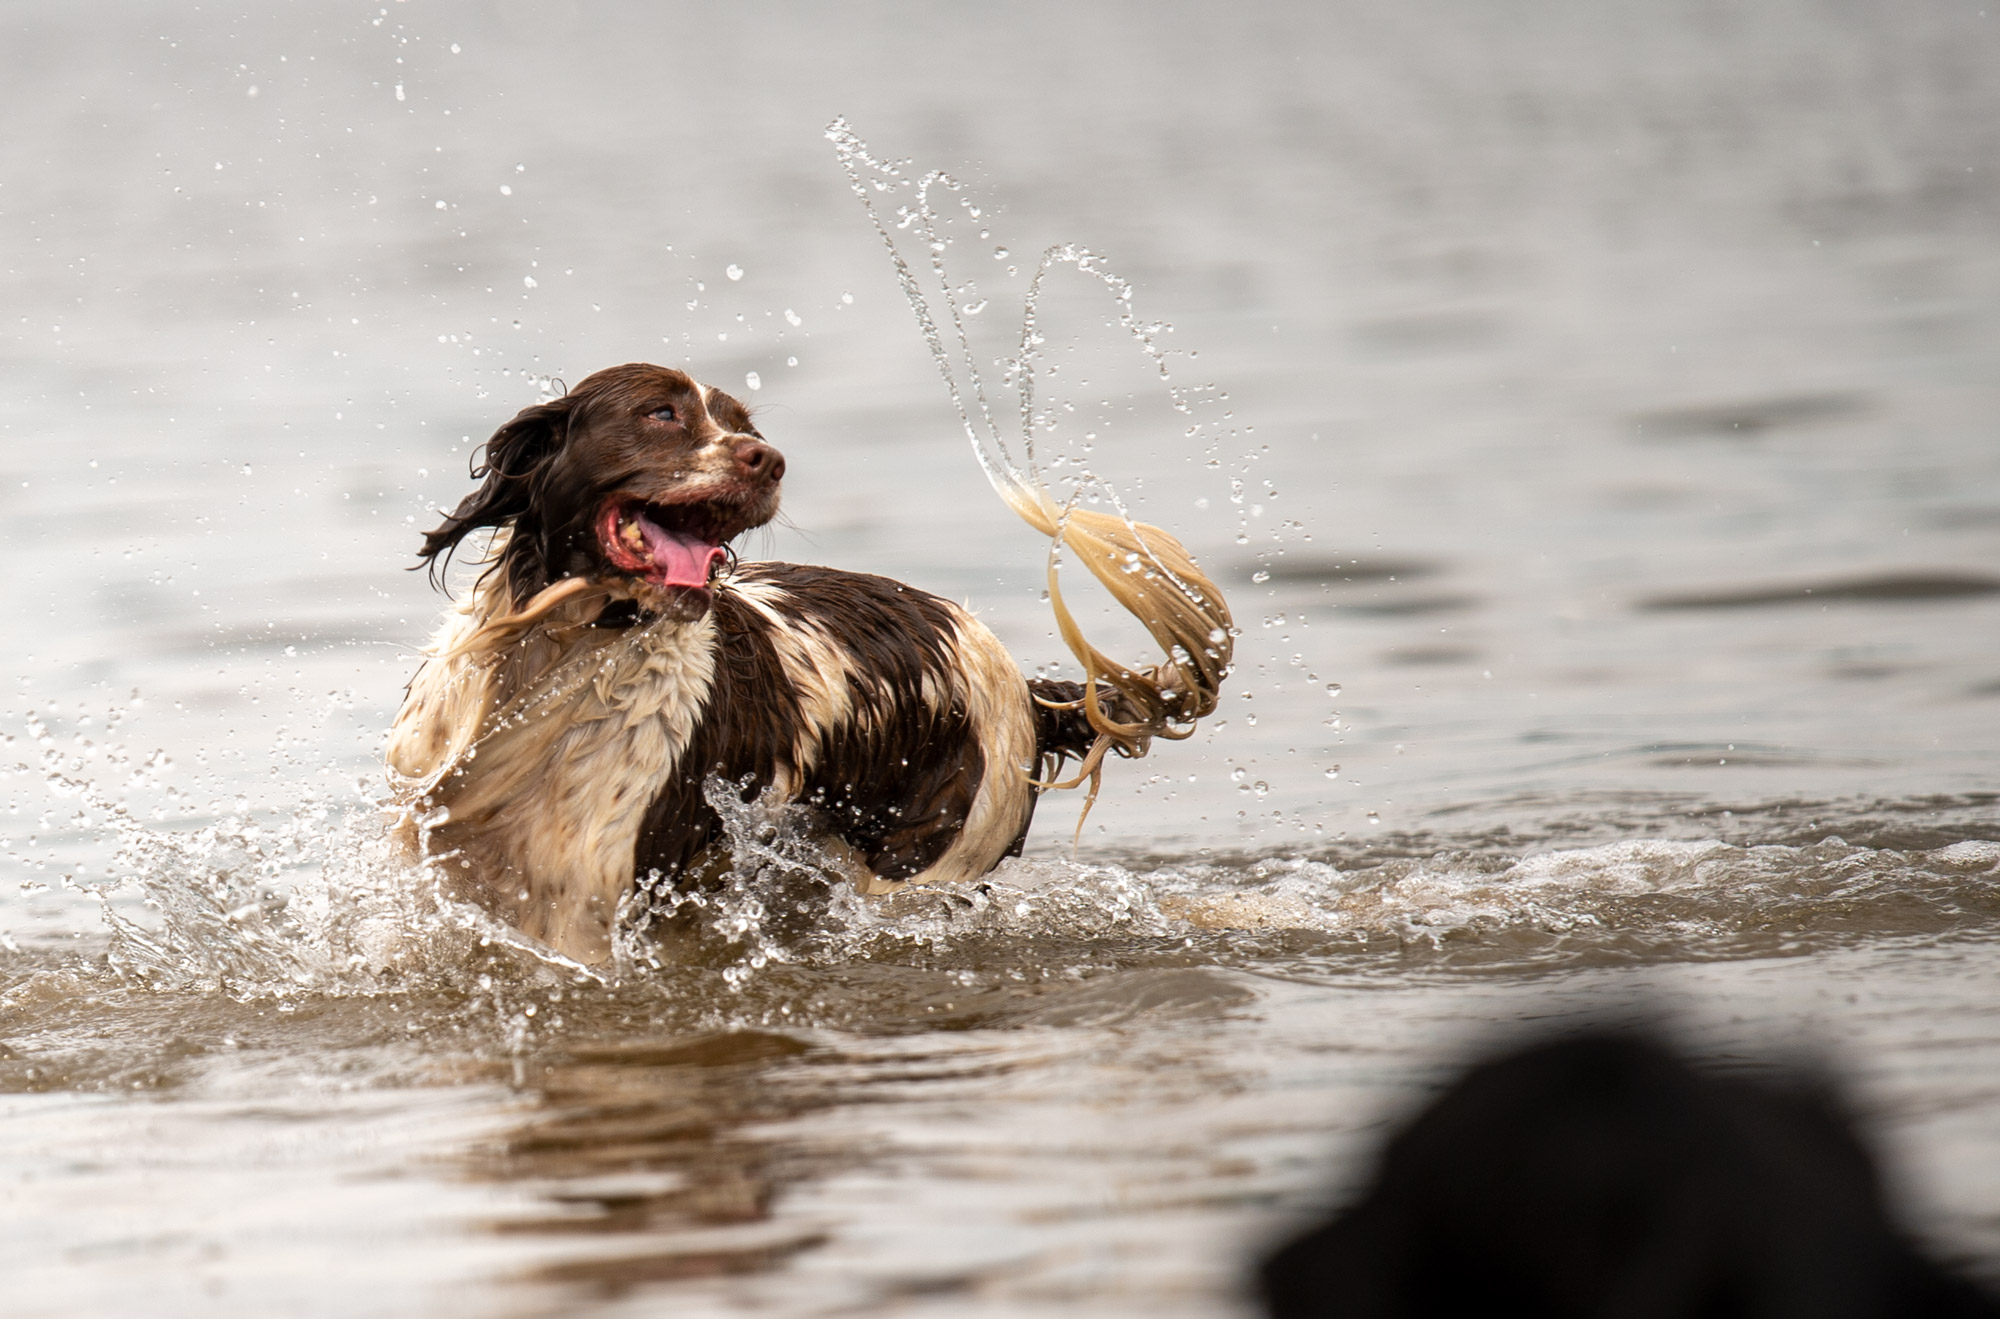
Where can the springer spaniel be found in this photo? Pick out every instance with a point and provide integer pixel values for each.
(614, 658)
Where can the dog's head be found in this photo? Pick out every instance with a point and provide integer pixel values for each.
(637, 477)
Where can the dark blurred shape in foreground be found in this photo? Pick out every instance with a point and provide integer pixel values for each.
(1602, 1176)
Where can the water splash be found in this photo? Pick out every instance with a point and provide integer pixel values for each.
(775, 894)
(958, 364)
(1146, 570)
(321, 901)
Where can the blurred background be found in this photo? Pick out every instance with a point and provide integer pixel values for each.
(1594, 429)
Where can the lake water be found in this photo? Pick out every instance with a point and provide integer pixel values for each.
(1593, 423)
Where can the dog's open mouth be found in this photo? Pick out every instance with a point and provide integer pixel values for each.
(667, 544)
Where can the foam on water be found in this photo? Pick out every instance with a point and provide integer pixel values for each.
(1465, 909)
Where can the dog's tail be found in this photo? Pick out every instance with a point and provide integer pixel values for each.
(1145, 569)
(1152, 575)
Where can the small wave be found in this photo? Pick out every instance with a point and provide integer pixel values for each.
(1624, 901)
(1633, 900)
(322, 904)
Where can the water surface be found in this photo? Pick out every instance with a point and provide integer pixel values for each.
(1601, 407)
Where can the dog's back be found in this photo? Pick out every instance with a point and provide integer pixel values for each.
(897, 716)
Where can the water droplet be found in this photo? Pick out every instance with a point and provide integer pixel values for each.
(752, 379)
(1333, 689)
(1260, 576)
(399, 92)
(506, 190)
(793, 317)
(1001, 254)
(847, 298)
(1373, 818)
(734, 271)
(791, 361)
(527, 281)
(1333, 771)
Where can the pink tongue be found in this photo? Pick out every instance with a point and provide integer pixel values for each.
(678, 559)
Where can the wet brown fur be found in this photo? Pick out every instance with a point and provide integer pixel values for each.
(896, 786)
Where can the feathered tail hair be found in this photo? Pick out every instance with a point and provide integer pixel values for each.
(1146, 570)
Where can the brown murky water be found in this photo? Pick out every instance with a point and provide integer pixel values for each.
(1601, 408)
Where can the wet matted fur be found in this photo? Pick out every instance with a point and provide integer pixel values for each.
(612, 662)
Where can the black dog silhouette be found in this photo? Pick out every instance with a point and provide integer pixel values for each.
(1603, 1178)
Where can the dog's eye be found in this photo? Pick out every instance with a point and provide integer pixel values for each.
(663, 414)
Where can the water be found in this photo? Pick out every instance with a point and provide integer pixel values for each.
(1600, 401)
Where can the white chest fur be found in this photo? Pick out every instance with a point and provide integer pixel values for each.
(546, 805)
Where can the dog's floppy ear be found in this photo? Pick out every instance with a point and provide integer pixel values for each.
(510, 464)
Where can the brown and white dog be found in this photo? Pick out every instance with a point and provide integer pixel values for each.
(613, 658)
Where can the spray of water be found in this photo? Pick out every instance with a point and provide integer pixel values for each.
(1144, 568)
(319, 901)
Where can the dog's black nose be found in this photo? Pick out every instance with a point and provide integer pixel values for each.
(759, 459)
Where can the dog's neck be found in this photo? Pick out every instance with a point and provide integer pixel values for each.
(624, 614)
